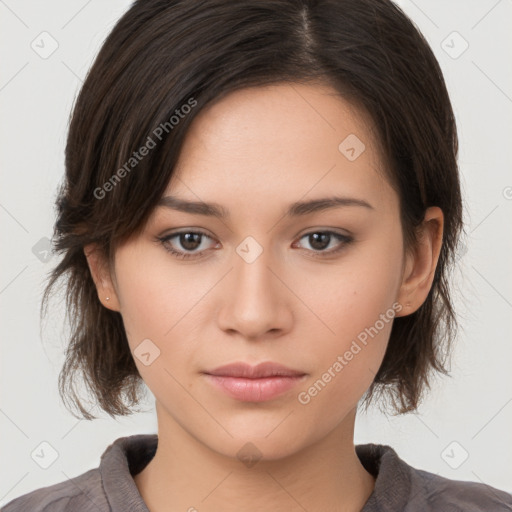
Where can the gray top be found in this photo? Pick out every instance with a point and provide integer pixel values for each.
(398, 486)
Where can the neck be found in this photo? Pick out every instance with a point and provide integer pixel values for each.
(185, 475)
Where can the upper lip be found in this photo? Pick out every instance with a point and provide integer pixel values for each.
(266, 369)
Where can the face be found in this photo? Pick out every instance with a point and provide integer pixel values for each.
(315, 290)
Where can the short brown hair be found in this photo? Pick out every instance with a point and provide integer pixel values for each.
(162, 53)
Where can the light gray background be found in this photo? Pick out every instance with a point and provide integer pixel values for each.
(470, 413)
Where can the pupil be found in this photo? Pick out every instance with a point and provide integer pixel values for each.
(323, 236)
(186, 240)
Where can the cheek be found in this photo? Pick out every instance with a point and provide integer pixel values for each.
(158, 305)
(352, 295)
(348, 361)
(356, 303)
(152, 293)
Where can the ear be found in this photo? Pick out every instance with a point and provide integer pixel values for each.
(101, 277)
(421, 263)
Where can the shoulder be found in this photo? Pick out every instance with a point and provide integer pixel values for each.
(109, 486)
(442, 493)
(400, 486)
(83, 493)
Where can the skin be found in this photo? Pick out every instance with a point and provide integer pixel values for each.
(255, 152)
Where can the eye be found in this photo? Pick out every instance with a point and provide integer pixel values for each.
(192, 241)
(189, 240)
(320, 240)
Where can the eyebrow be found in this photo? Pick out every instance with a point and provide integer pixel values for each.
(296, 209)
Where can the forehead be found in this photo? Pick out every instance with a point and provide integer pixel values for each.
(280, 142)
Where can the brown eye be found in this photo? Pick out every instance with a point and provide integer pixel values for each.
(320, 240)
(188, 244)
(186, 241)
(189, 241)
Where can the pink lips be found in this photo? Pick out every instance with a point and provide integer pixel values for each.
(254, 383)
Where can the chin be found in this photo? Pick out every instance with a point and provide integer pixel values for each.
(250, 447)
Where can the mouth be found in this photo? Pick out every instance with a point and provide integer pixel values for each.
(254, 390)
(259, 383)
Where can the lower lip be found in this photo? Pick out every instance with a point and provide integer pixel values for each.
(254, 390)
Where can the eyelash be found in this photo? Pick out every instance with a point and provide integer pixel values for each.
(184, 256)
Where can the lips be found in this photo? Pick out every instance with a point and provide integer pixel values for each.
(244, 370)
(259, 383)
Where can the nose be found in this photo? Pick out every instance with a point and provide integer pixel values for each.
(255, 301)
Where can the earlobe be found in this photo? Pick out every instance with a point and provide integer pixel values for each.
(422, 262)
(101, 277)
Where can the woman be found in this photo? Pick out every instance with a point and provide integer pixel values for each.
(259, 216)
